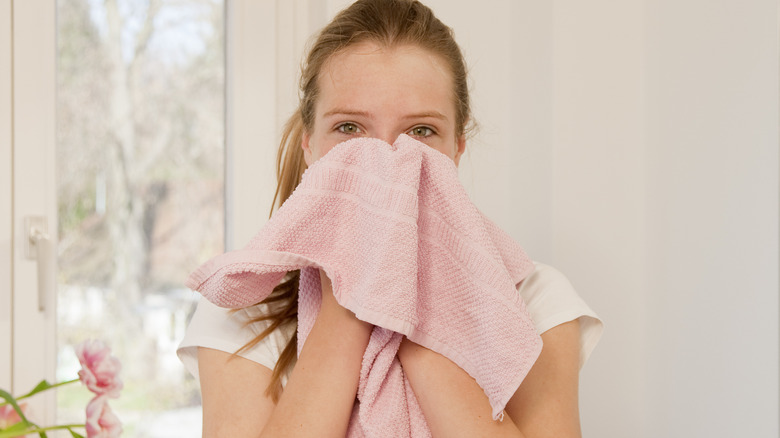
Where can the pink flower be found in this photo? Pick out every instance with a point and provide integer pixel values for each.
(101, 421)
(99, 370)
(9, 417)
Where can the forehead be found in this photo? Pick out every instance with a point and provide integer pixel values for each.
(407, 76)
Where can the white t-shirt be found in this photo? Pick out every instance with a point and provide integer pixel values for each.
(549, 297)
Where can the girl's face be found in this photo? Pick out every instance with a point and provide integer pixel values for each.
(368, 91)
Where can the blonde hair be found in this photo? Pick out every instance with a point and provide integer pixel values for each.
(388, 23)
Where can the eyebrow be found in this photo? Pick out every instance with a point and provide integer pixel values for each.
(430, 114)
(349, 112)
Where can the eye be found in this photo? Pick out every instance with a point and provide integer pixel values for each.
(421, 131)
(348, 128)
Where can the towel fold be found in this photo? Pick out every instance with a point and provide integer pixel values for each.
(407, 251)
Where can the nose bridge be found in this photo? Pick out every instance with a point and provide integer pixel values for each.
(388, 137)
(388, 122)
(386, 130)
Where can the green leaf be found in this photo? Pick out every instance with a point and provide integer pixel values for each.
(10, 399)
(43, 386)
(74, 434)
(40, 387)
(18, 429)
(15, 427)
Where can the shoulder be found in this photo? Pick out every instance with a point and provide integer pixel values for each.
(552, 300)
(226, 330)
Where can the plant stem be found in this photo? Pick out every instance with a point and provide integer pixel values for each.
(52, 386)
(38, 429)
(31, 393)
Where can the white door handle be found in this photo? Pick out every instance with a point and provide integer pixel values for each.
(40, 247)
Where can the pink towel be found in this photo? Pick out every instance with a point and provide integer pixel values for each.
(407, 251)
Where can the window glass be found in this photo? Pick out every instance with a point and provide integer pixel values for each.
(140, 168)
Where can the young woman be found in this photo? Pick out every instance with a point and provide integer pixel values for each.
(380, 69)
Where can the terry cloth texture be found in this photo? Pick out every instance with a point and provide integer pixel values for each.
(407, 251)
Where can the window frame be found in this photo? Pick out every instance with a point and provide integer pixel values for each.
(263, 44)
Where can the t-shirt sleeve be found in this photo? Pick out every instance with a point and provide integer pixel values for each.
(221, 329)
(551, 300)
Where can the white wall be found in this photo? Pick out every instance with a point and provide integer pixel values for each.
(599, 213)
(712, 216)
(665, 128)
